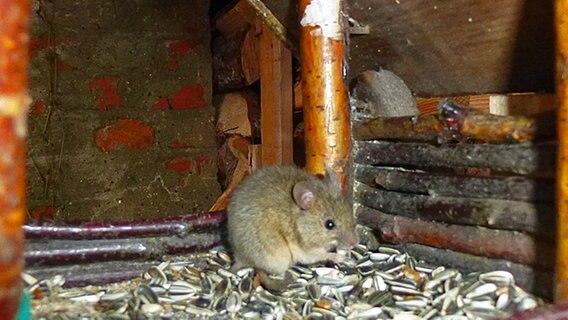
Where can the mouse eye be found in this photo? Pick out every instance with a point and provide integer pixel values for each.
(329, 224)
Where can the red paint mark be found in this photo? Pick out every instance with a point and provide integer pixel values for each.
(108, 99)
(64, 67)
(44, 213)
(39, 44)
(180, 164)
(200, 162)
(172, 64)
(133, 134)
(182, 183)
(38, 108)
(180, 47)
(178, 145)
(161, 104)
(189, 97)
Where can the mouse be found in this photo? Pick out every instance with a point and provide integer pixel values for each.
(282, 215)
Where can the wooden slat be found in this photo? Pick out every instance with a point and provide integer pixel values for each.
(452, 185)
(521, 158)
(499, 214)
(276, 100)
(561, 277)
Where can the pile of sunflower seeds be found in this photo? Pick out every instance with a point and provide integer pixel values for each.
(377, 282)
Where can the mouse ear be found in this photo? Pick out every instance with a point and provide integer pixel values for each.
(303, 195)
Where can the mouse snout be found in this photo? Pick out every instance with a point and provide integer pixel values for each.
(349, 239)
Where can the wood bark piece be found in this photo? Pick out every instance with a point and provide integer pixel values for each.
(497, 244)
(421, 128)
(14, 102)
(561, 278)
(276, 100)
(451, 185)
(238, 113)
(58, 252)
(236, 60)
(470, 123)
(491, 213)
(521, 158)
(381, 94)
(236, 168)
(234, 18)
(533, 280)
(326, 107)
(176, 225)
(455, 122)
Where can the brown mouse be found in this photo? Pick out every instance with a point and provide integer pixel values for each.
(282, 215)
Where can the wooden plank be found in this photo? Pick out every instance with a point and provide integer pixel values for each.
(521, 158)
(452, 185)
(497, 244)
(460, 47)
(276, 100)
(561, 276)
(537, 219)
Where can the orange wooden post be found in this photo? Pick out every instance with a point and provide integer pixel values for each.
(275, 100)
(13, 116)
(561, 25)
(326, 107)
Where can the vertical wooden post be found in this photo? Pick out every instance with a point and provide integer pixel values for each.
(561, 28)
(326, 107)
(13, 116)
(275, 100)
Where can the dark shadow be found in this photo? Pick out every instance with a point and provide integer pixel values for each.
(532, 67)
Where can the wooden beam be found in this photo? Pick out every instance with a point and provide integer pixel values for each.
(275, 100)
(326, 107)
(14, 102)
(561, 276)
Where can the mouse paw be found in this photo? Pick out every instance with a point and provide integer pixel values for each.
(336, 258)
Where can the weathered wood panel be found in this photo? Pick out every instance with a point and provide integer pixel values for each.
(450, 47)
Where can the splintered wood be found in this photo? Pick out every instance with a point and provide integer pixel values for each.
(13, 117)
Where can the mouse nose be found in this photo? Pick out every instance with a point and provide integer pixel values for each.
(351, 239)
